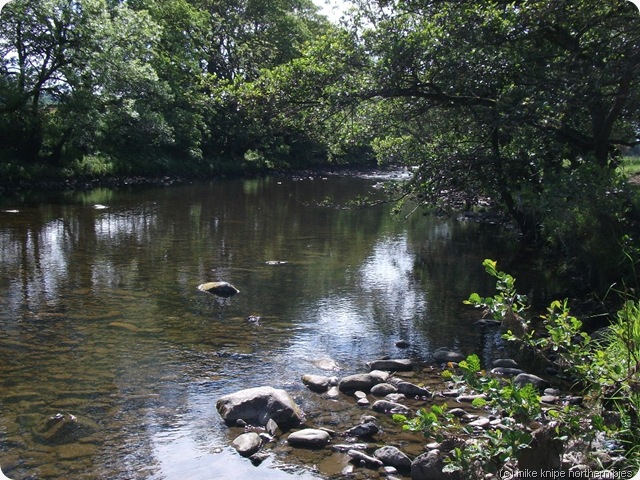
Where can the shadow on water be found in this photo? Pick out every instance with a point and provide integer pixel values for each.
(100, 317)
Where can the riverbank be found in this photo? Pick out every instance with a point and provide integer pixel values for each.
(9, 188)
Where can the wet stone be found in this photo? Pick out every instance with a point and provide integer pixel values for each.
(309, 438)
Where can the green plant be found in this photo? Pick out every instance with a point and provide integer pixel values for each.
(507, 304)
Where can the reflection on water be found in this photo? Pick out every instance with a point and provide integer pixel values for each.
(100, 316)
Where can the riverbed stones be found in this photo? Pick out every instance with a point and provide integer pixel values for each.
(221, 289)
(392, 365)
(309, 438)
(444, 355)
(393, 456)
(247, 444)
(258, 405)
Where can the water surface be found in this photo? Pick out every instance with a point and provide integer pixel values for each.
(100, 316)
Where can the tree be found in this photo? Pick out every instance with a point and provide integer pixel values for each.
(76, 75)
(523, 103)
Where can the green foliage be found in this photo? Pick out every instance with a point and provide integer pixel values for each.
(507, 304)
(607, 369)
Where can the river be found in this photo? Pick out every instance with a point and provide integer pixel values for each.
(101, 318)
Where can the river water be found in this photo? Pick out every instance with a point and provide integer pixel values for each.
(101, 318)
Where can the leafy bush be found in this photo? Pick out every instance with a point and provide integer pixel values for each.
(606, 369)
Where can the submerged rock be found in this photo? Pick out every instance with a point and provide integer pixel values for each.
(396, 365)
(444, 355)
(221, 289)
(62, 428)
(317, 383)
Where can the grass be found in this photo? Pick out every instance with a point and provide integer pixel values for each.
(630, 165)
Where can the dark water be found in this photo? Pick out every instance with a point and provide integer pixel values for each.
(100, 316)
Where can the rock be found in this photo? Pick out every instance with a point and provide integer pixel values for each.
(380, 375)
(366, 429)
(272, 428)
(470, 398)
(363, 458)
(395, 397)
(527, 378)
(326, 364)
(428, 466)
(221, 289)
(363, 402)
(411, 390)
(317, 383)
(382, 389)
(393, 456)
(488, 322)
(259, 405)
(393, 365)
(573, 400)
(309, 438)
(258, 457)
(247, 444)
(62, 428)
(385, 406)
(544, 453)
(359, 394)
(505, 362)
(444, 355)
(403, 344)
(457, 412)
(345, 447)
(506, 371)
(360, 381)
(333, 392)
(482, 422)
(550, 399)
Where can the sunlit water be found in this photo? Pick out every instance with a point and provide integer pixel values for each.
(100, 317)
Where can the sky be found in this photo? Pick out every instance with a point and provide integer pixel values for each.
(332, 8)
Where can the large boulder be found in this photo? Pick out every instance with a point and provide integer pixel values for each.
(258, 405)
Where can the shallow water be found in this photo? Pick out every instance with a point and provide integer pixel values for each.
(100, 317)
